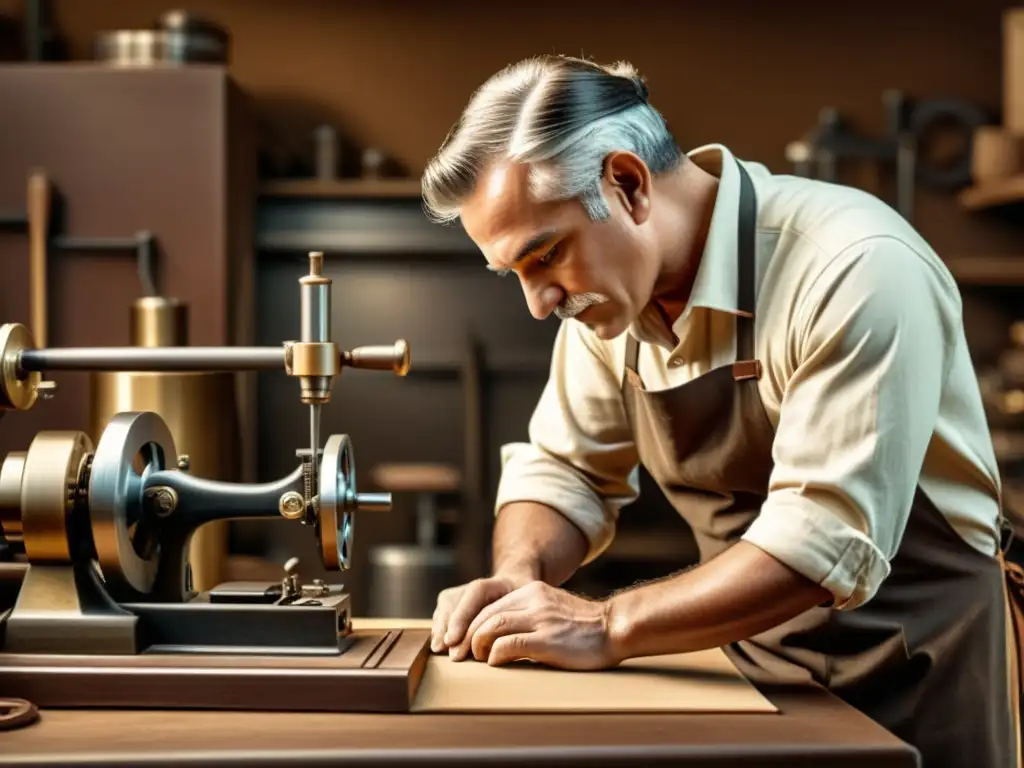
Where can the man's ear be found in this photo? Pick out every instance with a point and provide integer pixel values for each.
(628, 179)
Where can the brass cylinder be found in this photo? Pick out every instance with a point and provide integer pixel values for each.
(11, 472)
(158, 321)
(200, 409)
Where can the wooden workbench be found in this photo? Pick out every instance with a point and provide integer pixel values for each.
(812, 728)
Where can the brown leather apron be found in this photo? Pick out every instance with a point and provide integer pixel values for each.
(926, 657)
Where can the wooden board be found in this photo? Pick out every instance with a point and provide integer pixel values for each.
(379, 672)
(705, 681)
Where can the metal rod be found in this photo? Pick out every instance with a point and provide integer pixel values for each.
(13, 220)
(153, 359)
(93, 244)
(373, 502)
(314, 441)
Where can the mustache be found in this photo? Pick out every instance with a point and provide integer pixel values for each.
(572, 305)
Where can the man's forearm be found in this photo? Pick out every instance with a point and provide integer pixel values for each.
(741, 593)
(533, 542)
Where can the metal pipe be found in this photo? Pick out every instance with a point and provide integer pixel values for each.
(315, 300)
(153, 359)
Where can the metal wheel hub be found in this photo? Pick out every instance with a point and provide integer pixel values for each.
(334, 524)
(339, 501)
(133, 446)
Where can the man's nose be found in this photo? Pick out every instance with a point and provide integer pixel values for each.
(542, 299)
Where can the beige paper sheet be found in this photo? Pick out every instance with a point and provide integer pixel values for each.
(689, 682)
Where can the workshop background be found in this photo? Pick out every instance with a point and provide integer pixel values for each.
(306, 128)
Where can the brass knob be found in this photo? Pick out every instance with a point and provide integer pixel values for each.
(395, 357)
(291, 505)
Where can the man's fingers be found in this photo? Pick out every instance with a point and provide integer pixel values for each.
(509, 602)
(477, 595)
(446, 601)
(439, 625)
(510, 648)
(497, 626)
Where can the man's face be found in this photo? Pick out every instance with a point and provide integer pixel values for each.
(601, 273)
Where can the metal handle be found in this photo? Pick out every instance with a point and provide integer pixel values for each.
(395, 357)
(373, 502)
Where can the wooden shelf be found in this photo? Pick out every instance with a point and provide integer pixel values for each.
(993, 193)
(342, 188)
(354, 218)
(987, 270)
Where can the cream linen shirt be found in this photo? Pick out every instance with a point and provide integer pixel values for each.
(867, 382)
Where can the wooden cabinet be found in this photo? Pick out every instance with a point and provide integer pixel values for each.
(165, 150)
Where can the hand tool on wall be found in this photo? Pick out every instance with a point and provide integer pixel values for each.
(39, 202)
(908, 124)
(43, 219)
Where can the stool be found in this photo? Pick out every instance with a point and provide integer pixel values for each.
(406, 578)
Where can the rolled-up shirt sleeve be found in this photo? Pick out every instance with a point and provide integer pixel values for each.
(580, 458)
(872, 346)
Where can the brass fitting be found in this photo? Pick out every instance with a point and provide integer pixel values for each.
(395, 357)
(18, 390)
(316, 358)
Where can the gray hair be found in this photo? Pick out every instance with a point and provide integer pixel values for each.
(560, 115)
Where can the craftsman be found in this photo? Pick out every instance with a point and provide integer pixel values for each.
(787, 359)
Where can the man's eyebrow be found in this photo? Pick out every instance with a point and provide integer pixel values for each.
(528, 247)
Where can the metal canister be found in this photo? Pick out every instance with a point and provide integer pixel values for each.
(405, 579)
(176, 38)
(200, 409)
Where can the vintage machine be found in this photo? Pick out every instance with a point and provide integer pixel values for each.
(106, 615)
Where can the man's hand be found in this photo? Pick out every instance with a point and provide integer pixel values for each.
(531, 542)
(541, 623)
(458, 606)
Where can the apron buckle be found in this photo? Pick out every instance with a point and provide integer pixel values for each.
(746, 369)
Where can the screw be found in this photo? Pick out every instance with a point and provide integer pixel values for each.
(184, 462)
(292, 505)
(45, 389)
(164, 500)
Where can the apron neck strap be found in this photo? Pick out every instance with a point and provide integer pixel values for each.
(746, 268)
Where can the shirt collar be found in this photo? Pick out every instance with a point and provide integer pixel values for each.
(715, 284)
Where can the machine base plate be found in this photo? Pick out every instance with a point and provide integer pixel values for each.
(380, 671)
